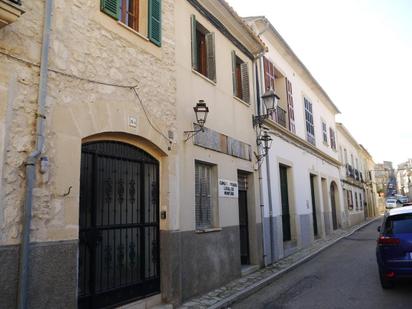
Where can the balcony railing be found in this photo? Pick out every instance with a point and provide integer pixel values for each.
(279, 116)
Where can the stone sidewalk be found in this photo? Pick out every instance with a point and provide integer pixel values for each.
(241, 288)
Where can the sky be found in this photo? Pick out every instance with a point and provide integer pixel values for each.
(360, 51)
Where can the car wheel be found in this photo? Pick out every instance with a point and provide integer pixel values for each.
(386, 283)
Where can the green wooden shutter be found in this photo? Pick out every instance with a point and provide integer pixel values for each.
(210, 51)
(245, 82)
(155, 22)
(195, 63)
(234, 73)
(110, 7)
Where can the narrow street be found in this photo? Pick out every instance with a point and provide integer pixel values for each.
(343, 276)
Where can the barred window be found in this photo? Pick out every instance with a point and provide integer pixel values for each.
(203, 196)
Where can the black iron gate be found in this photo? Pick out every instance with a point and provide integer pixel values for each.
(312, 192)
(119, 225)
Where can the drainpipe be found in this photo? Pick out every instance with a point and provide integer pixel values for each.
(32, 158)
(262, 214)
(270, 203)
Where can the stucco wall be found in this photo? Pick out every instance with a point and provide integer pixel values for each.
(88, 44)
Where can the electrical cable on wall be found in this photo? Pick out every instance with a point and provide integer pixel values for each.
(132, 87)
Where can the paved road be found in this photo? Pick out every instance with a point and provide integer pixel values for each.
(343, 276)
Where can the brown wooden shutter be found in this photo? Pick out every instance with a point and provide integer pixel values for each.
(195, 63)
(266, 73)
(210, 51)
(291, 112)
(234, 73)
(245, 82)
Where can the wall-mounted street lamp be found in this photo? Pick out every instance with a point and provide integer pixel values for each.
(201, 111)
(270, 101)
(266, 139)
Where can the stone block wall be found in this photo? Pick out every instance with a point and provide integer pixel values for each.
(90, 55)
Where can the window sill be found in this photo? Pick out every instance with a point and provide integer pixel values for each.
(241, 101)
(204, 77)
(211, 230)
(133, 31)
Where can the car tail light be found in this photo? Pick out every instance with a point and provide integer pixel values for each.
(388, 241)
(390, 274)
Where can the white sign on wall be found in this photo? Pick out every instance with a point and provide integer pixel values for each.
(228, 188)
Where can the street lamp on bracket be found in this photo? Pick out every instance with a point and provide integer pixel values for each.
(266, 139)
(270, 101)
(201, 110)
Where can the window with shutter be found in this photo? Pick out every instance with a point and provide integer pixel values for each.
(269, 72)
(291, 112)
(240, 74)
(325, 132)
(203, 196)
(310, 129)
(332, 138)
(133, 14)
(203, 50)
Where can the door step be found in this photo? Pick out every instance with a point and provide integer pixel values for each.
(248, 269)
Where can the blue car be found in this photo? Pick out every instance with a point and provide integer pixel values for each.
(394, 246)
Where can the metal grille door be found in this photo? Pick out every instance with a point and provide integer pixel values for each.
(119, 225)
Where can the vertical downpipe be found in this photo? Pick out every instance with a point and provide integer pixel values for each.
(31, 160)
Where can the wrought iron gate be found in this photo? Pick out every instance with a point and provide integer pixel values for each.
(119, 225)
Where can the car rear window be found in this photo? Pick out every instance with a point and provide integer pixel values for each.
(399, 224)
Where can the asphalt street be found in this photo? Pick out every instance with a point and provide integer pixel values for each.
(343, 276)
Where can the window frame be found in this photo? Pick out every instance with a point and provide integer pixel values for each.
(240, 78)
(324, 132)
(309, 123)
(203, 51)
(332, 137)
(211, 221)
(145, 10)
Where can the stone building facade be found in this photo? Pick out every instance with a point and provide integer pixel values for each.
(302, 198)
(111, 91)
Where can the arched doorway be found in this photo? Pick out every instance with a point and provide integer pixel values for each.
(333, 195)
(118, 225)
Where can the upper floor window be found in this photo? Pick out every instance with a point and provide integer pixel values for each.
(143, 16)
(273, 79)
(332, 138)
(203, 50)
(240, 76)
(324, 132)
(310, 129)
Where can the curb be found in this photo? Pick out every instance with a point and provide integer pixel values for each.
(268, 280)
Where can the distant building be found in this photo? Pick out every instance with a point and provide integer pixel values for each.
(404, 178)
